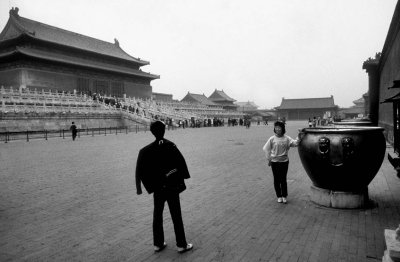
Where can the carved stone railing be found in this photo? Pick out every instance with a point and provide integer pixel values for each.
(26, 100)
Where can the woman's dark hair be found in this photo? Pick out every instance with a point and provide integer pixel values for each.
(280, 124)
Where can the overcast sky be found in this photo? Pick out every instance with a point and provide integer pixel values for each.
(255, 50)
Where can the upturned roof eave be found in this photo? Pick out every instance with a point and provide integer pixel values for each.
(7, 54)
(143, 62)
(53, 59)
(6, 27)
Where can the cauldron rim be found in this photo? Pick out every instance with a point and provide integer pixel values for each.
(354, 120)
(353, 123)
(342, 129)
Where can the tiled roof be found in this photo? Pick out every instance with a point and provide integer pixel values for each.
(359, 101)
(220, 96)
(37, 30)
(353, 110)
(392, 99)
(260, 113)
(78, 61)
(307, 103)
(248, 104)
(226, 104)
(162, 94)
(202, 99)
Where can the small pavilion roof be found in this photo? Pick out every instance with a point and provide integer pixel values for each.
(202, 99)
(219, 95)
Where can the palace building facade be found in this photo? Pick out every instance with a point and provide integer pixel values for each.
(39, 56)
(305, 108)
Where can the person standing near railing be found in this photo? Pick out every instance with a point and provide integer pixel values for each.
(74, 131)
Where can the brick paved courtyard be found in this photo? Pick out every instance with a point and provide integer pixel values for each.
(76, 201)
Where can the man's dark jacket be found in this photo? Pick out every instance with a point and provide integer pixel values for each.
(74, 129)
(155, 161)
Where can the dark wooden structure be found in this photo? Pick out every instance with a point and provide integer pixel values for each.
(36, 55)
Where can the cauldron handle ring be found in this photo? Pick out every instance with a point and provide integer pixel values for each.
(324, 146)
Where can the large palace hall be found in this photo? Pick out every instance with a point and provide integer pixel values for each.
(38, 56)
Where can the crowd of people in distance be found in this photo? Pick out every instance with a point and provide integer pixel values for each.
(207, 122)
(156, 111)
(318, 121)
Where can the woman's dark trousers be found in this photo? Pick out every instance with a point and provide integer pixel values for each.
(279, 170)
(176, 215)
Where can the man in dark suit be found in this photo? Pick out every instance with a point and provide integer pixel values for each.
(162, 169)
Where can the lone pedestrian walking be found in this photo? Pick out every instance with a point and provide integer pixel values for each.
(276, 150)
(74, 131)
(162, 170)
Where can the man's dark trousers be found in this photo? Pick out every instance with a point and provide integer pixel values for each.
(175, 208)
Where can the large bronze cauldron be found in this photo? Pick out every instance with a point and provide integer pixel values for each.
(342, 158)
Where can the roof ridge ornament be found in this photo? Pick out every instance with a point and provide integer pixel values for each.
(372, 62)
(14, 11)
(116, 42)
(377, 57)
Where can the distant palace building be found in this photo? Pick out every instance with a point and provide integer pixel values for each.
(162, 97)
(220, 98)
(246, 106)
(37, 55)
(305, 108)
(358, 110)
(199, 99)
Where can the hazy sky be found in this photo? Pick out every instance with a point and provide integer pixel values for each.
(255, 50)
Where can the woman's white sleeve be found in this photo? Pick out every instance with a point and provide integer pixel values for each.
(267, 149)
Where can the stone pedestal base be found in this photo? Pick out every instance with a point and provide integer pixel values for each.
(338, 199)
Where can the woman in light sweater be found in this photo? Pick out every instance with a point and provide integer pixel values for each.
(276, 150)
